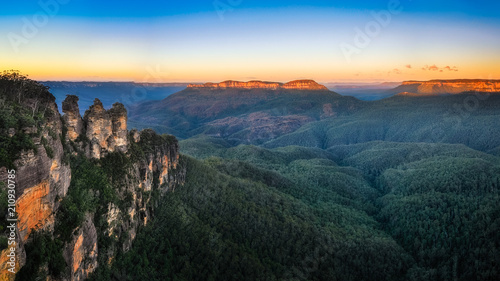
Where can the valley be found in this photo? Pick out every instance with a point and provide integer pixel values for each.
(270, 181)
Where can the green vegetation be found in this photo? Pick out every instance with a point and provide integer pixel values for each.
(438, 201)
(89, 191)
(221, 227)
(23, 109)
(402, 119)
(44, 257)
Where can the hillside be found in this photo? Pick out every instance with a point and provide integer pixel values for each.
(450, 189)
(245, 112)
(432, 119)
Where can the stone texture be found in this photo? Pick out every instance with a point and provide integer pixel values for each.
(161, 160)
(40, 180)
(106, 129)
(72, 117)
(81, 253)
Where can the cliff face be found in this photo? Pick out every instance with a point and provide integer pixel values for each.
(437, 87)
(43, 177)
(293, 85)
(81, 253)
(155, 167)
(72, 117)
(106, 129)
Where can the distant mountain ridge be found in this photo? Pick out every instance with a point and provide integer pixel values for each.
(246, 112)
(440, 87)
(127, 93)
(255, 84)
(71, 84)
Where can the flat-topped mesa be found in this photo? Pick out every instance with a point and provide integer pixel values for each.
(72, 117)
(293, 85)
(106, 129)
(304, 85)
(453, 86)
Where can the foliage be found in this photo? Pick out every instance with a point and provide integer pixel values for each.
(416, 120)
(89, 189)
(42, 250)
(23, 105)
(219, 227)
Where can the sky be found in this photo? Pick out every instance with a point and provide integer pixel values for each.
(217, 40)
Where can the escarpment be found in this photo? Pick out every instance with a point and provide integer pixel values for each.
(292, 85)
(441, 87)
(79, 181)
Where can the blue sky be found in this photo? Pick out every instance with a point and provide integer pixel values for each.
(241, 39)
(115, 8)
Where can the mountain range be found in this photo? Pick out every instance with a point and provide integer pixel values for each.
(259, 112)
(270, 181)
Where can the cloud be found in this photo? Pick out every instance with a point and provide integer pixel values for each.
(433, 68)
(440, 69)
(454, 68)
(395, 71)
(408, 66)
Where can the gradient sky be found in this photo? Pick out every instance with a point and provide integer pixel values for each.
(201, 41)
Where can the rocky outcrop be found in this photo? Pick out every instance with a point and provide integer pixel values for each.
(440, 87)
(157, 169)
(160, 160)
(81, 253)
(293, 85)
(106, 129)
(72, 117)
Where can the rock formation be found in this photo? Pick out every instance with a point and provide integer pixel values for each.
(72, 117)
(106, 129)
(439, 87)
(293, 85)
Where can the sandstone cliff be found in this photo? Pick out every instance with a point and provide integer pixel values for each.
(439, 87)
(42, 174)
(293, 85)
(72, 117)
(44, 178)
(106, 129)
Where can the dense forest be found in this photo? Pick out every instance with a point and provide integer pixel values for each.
(371, 211)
